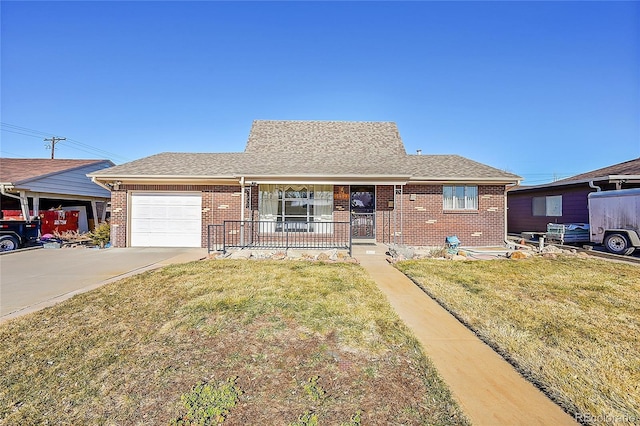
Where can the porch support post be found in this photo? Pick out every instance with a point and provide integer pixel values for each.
(36, 205)
(242, 204)
(94, 210)
(104, 212)
(24, 206)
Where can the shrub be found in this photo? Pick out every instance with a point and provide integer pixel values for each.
(101, 235)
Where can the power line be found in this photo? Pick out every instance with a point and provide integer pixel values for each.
(20, 133)
(73, 141)
(13, 126)
(25, 131)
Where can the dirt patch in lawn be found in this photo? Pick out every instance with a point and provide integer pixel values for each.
(302, 340)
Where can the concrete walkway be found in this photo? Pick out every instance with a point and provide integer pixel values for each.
(489, 390)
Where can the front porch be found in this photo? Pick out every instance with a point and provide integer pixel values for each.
(260, 234)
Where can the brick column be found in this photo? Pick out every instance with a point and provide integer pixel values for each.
(119, 218)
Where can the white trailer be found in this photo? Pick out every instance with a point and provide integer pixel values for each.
(614, 219)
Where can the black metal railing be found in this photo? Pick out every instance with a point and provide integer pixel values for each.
(215, 238)
(279, 235)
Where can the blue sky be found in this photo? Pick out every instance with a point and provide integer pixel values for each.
(541, 89)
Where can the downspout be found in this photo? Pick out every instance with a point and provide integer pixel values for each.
(24, 202)
(93, 203)
(506, 230)
(506, 240)
(596, 187)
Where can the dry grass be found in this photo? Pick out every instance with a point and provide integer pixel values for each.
(300, 337)
(572, 325)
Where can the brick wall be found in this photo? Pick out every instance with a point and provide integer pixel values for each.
(426, 223)
(119, 218)
(219, 203)
(421, 222)
(341, 203)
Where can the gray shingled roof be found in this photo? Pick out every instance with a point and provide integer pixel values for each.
(442, 167)
(325, 137)
(256, 164)
(313, 148)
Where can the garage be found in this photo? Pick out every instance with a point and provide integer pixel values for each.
(166, 219)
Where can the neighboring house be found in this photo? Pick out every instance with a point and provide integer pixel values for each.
(295, 175)
(30, 186)
(531, 208)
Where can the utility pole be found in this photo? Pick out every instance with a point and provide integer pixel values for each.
(53, 141)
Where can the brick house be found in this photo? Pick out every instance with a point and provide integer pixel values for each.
(299, 175)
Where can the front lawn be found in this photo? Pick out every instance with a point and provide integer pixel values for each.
(253, 342)
(571, 325)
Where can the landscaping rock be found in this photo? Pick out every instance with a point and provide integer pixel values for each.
(281, 255)
(332, 255)
(519, 254)
(552, 249)
(328, 255)
(323, 257)
(240, 254)
(292, 254)
(422, 253)
(397, 250)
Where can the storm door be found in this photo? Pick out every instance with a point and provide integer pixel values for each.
(363, 212)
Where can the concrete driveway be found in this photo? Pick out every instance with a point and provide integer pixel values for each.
(33, 279)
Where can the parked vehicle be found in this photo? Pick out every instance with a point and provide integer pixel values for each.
(18, 233)
(614, 219)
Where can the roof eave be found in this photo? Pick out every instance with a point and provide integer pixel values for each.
(102, 177)
(616, 178)
(328, 176)
(608, 178)
(70, 169)
(468, 179)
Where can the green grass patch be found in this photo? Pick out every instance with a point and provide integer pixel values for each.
(207, 404)
(571, 325)
(297, 337)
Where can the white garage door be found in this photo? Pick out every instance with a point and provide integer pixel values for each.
(166, 220)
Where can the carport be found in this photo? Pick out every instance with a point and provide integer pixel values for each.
(32, 185)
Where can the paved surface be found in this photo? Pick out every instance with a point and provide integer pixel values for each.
(489, 390)
(33, 279)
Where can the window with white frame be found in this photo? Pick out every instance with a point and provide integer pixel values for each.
(547, 206)
(460, 197)
(295, 207)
